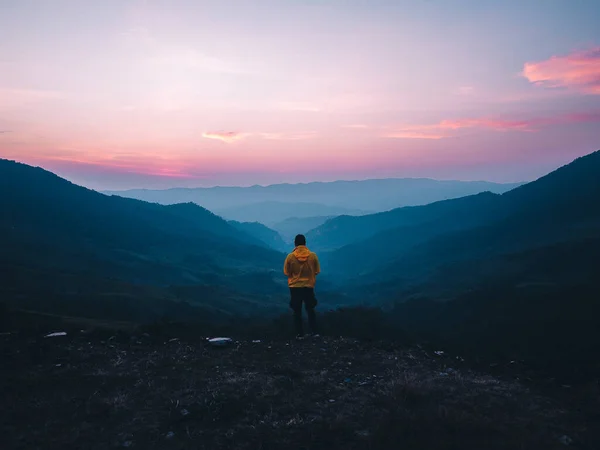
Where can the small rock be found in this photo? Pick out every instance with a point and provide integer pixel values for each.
(60, 333)
(257, 341)
(348, 380)
(565, 440)
(439, 352)
(184, 412)
(331, 400)
(220, 341)
(127, 444)
(170, 435)
(57, 365)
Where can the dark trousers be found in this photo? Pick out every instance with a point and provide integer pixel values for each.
(299, 296)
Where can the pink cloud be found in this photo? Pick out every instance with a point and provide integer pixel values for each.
(494, 124)
(532, 124)
(137, 165)
(231, 136)
(579, 70)
(224, 136)
(448, 128)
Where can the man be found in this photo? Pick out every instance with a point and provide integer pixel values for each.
(302, 267)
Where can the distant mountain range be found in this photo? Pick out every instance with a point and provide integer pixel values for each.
(316, 199)
(272, 213)
(292, 226)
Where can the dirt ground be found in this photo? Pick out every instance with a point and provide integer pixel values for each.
(86, 391)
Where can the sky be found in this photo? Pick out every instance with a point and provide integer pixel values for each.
(119, 94)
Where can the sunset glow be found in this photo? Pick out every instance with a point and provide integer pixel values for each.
(144, 93)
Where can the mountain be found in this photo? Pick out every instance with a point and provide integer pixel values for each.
(443, 215)
(511, 277)
(60, 241)
(266, 235)
(461, 236)
(271, 212)
(292, 226)
(366, 195)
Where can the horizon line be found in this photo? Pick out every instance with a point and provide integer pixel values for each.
(316, 182)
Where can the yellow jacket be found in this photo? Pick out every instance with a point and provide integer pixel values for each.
(301, 267)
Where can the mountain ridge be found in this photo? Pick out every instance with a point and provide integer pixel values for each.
(368, 195)
(62, 233)
(562, 206)
(314, 183)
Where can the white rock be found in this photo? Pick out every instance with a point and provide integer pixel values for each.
(60, 333)
(220, 341)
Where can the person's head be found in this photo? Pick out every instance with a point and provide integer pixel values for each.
(300, 240)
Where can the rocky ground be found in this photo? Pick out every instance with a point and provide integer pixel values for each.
(97, 391)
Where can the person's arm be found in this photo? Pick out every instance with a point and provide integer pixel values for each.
(285, 266)
(317, 264)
